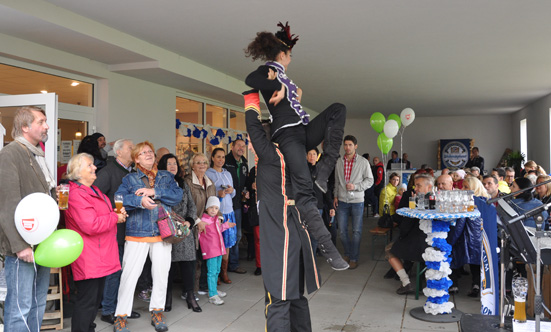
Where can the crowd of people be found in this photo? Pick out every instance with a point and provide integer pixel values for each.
(293, 204)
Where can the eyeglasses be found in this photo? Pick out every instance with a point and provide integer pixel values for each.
(201, 163)
(143, 153)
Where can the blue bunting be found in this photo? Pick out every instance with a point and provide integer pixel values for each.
(205, 133)
(440, 226)
(439, 299)
(178, 123)
(238, 136)
(196, 132)
(215, 141)
(442, 284)
(220, 133)
(246, 141)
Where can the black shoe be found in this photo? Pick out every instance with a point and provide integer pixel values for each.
(134, 315)
(108, 318)
(475, 291)
(258, 271)
(333, 256)
(192, 302)
(390, 274)
(403, 290)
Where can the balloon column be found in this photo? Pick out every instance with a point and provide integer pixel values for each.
(388, 129)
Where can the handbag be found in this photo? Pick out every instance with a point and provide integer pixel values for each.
(386, 220)
(171, 225)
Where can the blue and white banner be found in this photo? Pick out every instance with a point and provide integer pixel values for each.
(489, 273)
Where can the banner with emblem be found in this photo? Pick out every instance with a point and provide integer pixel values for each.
(454, 153)
(489, 273)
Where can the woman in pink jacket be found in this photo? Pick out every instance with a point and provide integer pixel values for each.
(90, 214)
(212, 246)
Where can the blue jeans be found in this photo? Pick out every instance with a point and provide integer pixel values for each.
(356, 210)
(111, 289)
(234, 251)
(213, 267)
(26, 301)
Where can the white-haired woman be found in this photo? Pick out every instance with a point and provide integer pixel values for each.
(90, 214)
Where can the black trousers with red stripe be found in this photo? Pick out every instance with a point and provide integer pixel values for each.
(289, 315)
(294, 142)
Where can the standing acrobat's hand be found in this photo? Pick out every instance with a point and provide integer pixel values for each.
(278, 96)
(272, 75)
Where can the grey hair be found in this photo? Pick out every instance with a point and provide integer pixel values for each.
(119, 144)
(192, 159)
(474, 168)
(427, 177)
(75, 165)
(24, 117)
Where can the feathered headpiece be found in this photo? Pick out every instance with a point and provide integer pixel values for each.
(284, 35)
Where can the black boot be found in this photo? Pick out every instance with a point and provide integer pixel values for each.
(192, 303)
(335, 116)
(334, 258)
(168, 303)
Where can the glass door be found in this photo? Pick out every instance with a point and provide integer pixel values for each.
(48, 102)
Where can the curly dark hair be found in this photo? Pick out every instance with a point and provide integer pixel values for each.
(265, 47)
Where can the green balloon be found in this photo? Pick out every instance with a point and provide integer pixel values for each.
(60, 249)
(384, 143)
(377, 121)
(396, 118)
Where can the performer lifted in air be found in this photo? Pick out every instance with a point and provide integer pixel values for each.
(295, 133)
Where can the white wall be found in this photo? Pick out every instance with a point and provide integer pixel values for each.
(537, 122)
(492, 134)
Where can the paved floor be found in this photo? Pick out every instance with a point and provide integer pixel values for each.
(352, 300)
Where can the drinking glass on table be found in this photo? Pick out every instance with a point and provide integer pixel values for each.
(118, 202)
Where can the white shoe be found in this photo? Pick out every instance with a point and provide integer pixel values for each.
(221, 294)
(202, 292)
(216, 300)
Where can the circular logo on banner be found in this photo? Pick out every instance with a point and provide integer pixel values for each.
(455, 155)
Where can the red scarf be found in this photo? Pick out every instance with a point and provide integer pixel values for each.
(150, 174)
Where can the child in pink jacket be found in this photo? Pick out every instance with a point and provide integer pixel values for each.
(212, 246)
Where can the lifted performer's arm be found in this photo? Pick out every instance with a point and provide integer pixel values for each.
(263, 147)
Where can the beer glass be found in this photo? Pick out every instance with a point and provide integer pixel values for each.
(520, 288)
(412, 203)
(63, 197)
(118, 202)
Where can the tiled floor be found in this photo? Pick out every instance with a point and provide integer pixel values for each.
(352, 301)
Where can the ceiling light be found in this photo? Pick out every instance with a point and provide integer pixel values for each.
(78, 134)
(75, 83)
(177, 110)
(44, 91)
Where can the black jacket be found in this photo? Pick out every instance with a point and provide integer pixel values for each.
(108, 180)
(238, 184)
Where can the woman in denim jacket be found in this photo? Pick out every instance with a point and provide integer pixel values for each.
(143, 194)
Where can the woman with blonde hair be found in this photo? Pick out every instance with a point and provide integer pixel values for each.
(544, 191)
(474, 184)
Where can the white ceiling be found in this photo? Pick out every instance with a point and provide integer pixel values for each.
(439, 57)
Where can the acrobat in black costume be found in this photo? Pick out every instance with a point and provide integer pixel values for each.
(295, 133)
(287, 258)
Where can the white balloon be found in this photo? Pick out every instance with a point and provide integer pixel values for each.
(390, 128)
(36, 217)
(407, 116)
